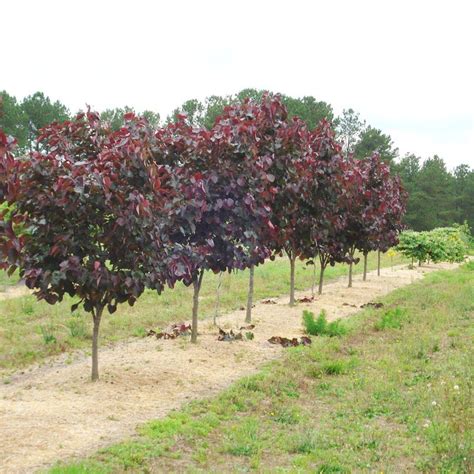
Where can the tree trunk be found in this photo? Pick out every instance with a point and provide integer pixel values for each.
(419, 263)
(351, 253)
(321, 276)
(292, 281)
(313, 284)
(218, 298)
(197, 287)
(412, 262)
(97, 315)
(365, 266)
(378, 263)
(248, 316)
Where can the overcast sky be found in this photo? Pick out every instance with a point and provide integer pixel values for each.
(405, 66)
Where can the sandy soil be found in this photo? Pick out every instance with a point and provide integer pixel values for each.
(53, 412)
(13, 291)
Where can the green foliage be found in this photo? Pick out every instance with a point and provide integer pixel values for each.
(140, 332)
(48, 334)
(40, 111)
(437, 197)
(23, 120)
(336, 328)
(312, 326)
(320, 326)
(13, 119)
(204, 114)
(114, 117)
(413, 245)
(443, 244)
(391, 319)
(349, 129)
(373, 140)
(336, 367)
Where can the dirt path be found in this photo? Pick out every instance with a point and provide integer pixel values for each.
(54, 412)
(13, 291)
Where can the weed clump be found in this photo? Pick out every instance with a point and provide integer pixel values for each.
(320, 325)
(391, 319)
(48, 336)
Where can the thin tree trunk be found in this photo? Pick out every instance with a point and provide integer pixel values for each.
(350, 268)
(248, 316)
(378, 263)
(419, 263)
(412, 262)
(97, 315)
(197, 287)
(292, 281)
(321, 276)
(218, 298)
(365, 267)
(313, 284)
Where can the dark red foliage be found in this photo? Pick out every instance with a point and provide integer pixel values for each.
(87, 205)
(220, 207)
(305, 299)
(285, 342)
(327, 197)
(175, 330)
(374, 205)
(229, 336)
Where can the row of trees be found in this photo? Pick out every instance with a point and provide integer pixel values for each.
(24, 118)
(437, 197)
(102, 214)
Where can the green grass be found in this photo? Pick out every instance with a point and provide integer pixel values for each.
(320, 325)
(6, 281)
(22, 339)
(391, 319)
(378, 399)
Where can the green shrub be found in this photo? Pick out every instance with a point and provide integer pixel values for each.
(312, 326)
(336, 328)
(391, 319)
(443, 244)
(320, 326)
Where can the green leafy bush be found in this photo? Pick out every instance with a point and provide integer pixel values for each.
(443, 244)
(312, 326)
(320, 326)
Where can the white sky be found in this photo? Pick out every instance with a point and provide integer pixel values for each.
(405, 66)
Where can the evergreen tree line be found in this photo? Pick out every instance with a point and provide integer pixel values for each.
(437, 196)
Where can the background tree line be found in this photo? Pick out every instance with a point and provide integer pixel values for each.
(437, 196)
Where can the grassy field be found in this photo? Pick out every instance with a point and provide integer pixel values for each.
(392, 395)
(32, 330)
(6, 281)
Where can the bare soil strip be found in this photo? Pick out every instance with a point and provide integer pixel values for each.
(14, 291)
(53, 412)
